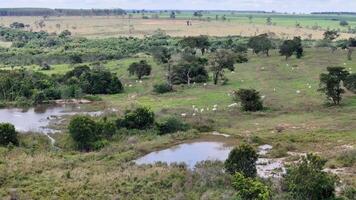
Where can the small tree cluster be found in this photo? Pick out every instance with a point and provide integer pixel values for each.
(249, 188)
(307, 180)
(8, 134)
(140, 69)
(330, 83)
(140, 118)
(250, 99)
(260, 43)
(172, 125)
(242, 160)
(198, 42)
(290, 47)
(89, 134)
(220, 60)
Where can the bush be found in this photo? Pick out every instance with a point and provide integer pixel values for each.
(107, 128)
(243, 160)
(347, 158)
(306, 180)
(8, 134)
(141, 118)
(84, 131)
(172, 125)
(250, 99)
(162, 88)
(350, 82)
(250, 189)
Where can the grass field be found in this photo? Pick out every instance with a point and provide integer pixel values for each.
(289, 90)
(309, 126)
(284, 26)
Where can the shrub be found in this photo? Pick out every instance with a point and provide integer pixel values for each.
(347, 158)
(172, 125)
(141, 118)
(243, 160)
(162, 88)
(250, 99)
(107, 128)
(84, 132)
(306, 180)
(350, 82)
(330, 83)
(250, 189)
(8, 134)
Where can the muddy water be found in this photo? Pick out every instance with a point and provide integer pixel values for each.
(38, 119)
(195, 152)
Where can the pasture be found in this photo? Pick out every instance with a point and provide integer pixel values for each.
(283, 26)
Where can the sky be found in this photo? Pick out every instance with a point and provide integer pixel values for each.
(299, 6)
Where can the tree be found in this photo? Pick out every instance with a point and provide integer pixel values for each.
(141, 69)
(269, 21)
(65, 34)
(331, 35)
(250, 99)
(250, 189)
(306, 180)
(17, 25)
(220, 60)
(243, 160)
(350, 45)
(163, 56)
(140, 118)
(344, 23)
(198, 42)
(289, 47)
(189, 68)
(330, 83)
(172, 15)
(84, 132)
(350, 82)
(8, 134)
(260, 43)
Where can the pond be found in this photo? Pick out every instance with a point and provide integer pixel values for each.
(195, 152)
(38, 119)
(189, 153)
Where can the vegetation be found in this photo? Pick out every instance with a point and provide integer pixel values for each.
(260, 43)
(141, 69)
(250, 189)
(290, 47)
(8, 134)
(242, 160)
(140, 118)
(307, 180)
(250, 99)
(330, 83)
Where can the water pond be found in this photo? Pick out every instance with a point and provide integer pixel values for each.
(195, 152)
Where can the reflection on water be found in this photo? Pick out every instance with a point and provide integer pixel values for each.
(37, 119)
(189, 153)
(193, 153)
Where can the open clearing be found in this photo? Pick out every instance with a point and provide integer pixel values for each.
(98, 27)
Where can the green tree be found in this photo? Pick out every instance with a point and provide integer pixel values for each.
(140, 118)
(260, 43)
(243, 160)
(141, 69)
(8, 134)
(250, 189)
(330, 83)
(344, 23)
(84, 132)
(250, 99)
(196, 42)
(220, 60)
(331, 35)
(306, 180)
(350, 82)
(289, 47)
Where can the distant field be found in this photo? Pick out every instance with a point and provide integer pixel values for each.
(283, 26)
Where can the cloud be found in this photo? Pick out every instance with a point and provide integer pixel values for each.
(268, 5)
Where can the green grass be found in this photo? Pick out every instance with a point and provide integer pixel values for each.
(309, 126)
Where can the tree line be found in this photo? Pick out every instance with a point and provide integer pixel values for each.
(59, 12)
